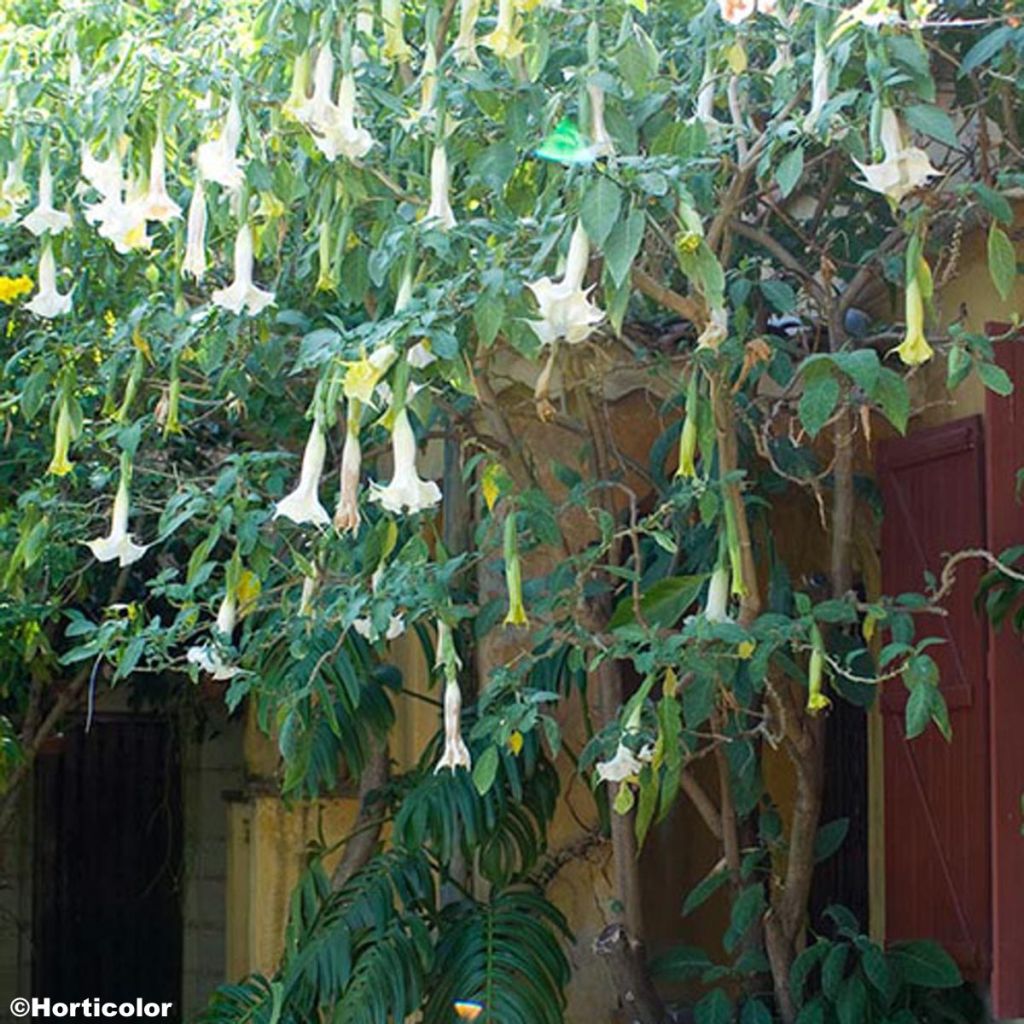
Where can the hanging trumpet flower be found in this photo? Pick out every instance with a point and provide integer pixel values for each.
(503, 40)
(601, 141)
(465, 41)
(625, 766)
(816, 699)
(819, 80)
(688, 434)
(732, 545)
(565, 308)
(44, 218)
(118, 544)
(914, 349)
(363, 375)
(455, 754)
(195, 235)
(297, 98)
(14, 192)
(172, 416)
(242, 293)
(206, 655)
(325, 278)
(406, 491)
(48, 302)
(364, 31)
(395, 47)
(61, 464)
(905, 168)
(217, 159)
(346, 515)
(157, 205)
(717, 607)
(439, 213)
(303, 504)
(103, 175)
(516, 615)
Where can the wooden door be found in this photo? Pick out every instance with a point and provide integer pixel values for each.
(107, 864)
(1004, 448)
(937, 829)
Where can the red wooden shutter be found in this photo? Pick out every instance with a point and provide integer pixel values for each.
(1004, 446)
(937, 844)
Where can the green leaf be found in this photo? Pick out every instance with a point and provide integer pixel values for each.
(622, 245)
(704, 890)
(893, 399)
(600, 209)
(925, 963)
(494, 166)
(995, 378)
(821, 392)
(485, 770)
(681, 962)
(934, 121)
(789, 170)
(779, 294)
(488, 313)
(746, 909)
(994, 202)
(861, 366)
(714, 1008)
(872, 960)
(833, 970)
(920, 670)
(661, 604)
(1002, 261)
(852, 1002)
(802, 967)
(829, 838)
(755, 1012)
(958, 366)
(918, 712)
(986, 48)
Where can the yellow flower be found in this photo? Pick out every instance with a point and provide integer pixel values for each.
(503, 40)
(60, 464)
(914, 349)
(363, 375)
(816, 699)
(12, 288)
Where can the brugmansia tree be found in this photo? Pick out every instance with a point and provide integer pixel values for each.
(256, 255)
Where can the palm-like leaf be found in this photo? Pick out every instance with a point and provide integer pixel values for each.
(505, 954)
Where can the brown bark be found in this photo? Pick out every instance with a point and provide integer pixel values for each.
(627, 964)
(369, 820)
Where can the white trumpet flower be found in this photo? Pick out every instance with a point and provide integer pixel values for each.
(118, 544)
(14, 191)
(217, 159)
(346, 515)
(395, 46)
(364, 30)
(440, 213)
(195, 236)
(206, 656)
(819, 87)
(456, 753)
(242, 293)
(319, 112)
(102, 175)
(905, 167)
(157, 204)
(717, 608)
(623, 766)
(406, 491)
(303, 504)
(48, 302)
(465, 41)
(565, 309)
(123, 221)
(603, 144)
(345, 137)
(44, 218)
(364, 627)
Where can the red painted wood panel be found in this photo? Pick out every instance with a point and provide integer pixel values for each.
(1004, 446)
(937, 847)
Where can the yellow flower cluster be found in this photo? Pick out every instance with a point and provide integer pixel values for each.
(12, 288)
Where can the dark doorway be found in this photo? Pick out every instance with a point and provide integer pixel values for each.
(107, 908)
